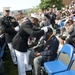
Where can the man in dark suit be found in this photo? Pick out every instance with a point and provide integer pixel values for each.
(51, 18)
(48, 54)
(20, 43)
(8, 24)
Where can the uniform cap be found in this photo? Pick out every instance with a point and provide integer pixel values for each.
(6, 8)
(35, 16)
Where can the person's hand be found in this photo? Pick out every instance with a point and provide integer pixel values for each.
(17, 28)
(67, 28)
(51, 15)
(0, 31)
(34, 48)
(45, 29)
(37, 54)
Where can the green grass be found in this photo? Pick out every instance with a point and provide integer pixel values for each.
(10, 69)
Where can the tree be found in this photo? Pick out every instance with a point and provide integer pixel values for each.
(45, 4)
(34, 10)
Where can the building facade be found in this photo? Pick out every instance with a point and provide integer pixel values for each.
(67, 2)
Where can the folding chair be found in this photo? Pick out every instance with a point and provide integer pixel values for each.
(57, 65)
(69, 72)
(61, 24)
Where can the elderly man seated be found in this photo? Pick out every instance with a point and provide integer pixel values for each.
(48, 54)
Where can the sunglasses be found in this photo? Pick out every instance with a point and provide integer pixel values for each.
(7, 10)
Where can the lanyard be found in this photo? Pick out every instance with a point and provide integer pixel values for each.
(49, 38)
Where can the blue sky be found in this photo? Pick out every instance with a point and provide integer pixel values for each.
(18, 4)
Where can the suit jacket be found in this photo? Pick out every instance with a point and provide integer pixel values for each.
(52, 19)
(50, 49)
(20, 40)
(7, 24)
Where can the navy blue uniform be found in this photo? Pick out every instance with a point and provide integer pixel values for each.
(20, 41)
(8, 24)
(50, 49)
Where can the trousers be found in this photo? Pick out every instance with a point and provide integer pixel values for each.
(23, 62)
(12, 52)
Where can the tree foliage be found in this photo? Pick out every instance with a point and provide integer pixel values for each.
(45, 4)
(34, 9)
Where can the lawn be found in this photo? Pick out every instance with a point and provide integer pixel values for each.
(10, 69)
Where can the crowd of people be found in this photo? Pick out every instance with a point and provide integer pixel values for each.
(33, 40)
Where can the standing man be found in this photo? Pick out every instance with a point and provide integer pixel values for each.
(51, 18)
(21, 46)
(8, 25)
(20, 17)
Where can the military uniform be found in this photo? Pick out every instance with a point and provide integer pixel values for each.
(21, 46)
(8, 25)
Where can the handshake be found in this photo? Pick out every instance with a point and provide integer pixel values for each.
(45, 29)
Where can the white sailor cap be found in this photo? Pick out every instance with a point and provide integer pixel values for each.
(6, 8)
(35, 16)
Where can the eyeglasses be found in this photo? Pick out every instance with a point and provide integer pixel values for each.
(7, 10)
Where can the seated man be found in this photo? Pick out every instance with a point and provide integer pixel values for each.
(48, 54)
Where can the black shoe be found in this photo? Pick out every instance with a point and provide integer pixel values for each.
(15, 65)
(29, 72)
